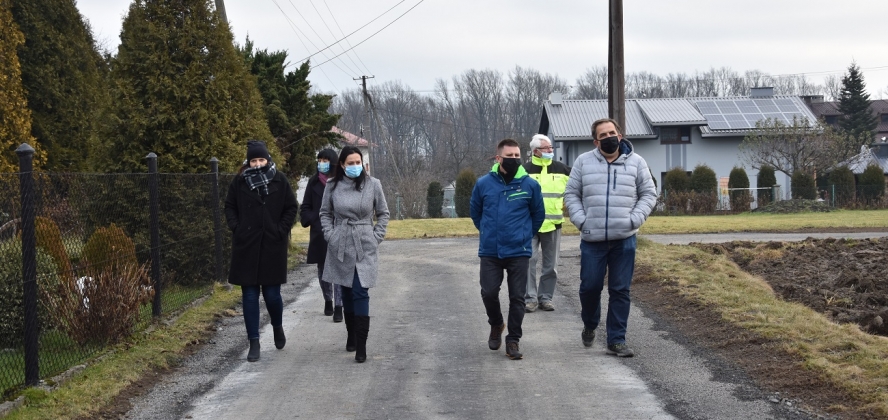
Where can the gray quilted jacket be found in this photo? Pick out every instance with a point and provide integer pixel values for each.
(610, 201)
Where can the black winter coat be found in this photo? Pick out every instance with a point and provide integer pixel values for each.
(310, 215)
(261, 229)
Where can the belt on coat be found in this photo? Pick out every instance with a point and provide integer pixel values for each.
(350, 226)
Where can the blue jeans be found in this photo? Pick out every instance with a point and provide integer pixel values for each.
(356, 299)
(273, 302)
(491, 282)
(617, 258)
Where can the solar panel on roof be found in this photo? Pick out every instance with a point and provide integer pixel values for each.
(753, 118)
(776, 116)
(707, 107)
(719, 125)
(727, 107)
(746, 106)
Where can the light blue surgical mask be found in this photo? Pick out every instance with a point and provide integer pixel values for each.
(323, 167)
(549, 156)
(353, 171)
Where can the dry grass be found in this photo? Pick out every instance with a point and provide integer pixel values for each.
(841, 354)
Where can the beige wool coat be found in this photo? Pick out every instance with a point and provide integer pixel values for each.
(352, 236)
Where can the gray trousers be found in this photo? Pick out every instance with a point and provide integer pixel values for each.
(547, 245)
(332, 292)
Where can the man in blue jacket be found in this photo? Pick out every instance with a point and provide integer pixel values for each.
(507, 209)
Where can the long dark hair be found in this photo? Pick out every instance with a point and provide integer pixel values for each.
(340, 171)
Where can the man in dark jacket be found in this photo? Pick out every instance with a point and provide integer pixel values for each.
(309, 215)
(507, 209)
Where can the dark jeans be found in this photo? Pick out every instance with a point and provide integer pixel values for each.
(492, 280)
(356, 299)
(617, 258)
(273, 302)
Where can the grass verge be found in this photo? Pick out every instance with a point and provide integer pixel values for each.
(840, 354)
(94, 387)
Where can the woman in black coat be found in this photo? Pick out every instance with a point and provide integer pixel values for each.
(260, 209)
(309, 215)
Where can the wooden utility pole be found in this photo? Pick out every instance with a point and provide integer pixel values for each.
(220, 7)
(364, 119)
(616, 80)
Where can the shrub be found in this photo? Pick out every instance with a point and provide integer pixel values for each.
(12, 313)
(49, 239)
(465, 183)
(705, 184)
(841, 180)
(435, 199)
(803, 186)
(108, 249)
(738, 184)
(765, 182)
(676, 180)
(872, 184)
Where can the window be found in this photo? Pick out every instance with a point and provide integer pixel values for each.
(675, 135)
(831, 119)
(885, 118)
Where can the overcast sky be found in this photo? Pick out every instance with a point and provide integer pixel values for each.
(443, 38)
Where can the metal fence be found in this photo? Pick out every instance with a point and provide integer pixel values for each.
(87, 259)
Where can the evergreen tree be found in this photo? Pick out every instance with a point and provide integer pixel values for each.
(703, 180)
(60, 72)
(299, 121)
(676, 180)
(858, 123)
(841, 185)
(765, 181)
(15, 118)
(872, 184)
(462, 194)
(803, 186)
(180, 90)
(435, 199)
(738, 184)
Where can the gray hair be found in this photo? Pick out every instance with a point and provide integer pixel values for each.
(536, 141)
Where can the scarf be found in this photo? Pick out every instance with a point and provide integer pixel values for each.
(323, 178)
(260, 177)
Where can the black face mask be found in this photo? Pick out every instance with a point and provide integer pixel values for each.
(609, 145)
(510, 165)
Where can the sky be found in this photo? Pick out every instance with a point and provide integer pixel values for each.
(420, 41)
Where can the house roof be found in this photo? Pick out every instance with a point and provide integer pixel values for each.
(717, 117)
(350, 139)
(877, 153)
(878, 107)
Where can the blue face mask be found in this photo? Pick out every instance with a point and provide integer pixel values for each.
(353, 171)
(323, 167)
(549, 156)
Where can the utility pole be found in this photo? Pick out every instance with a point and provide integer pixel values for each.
(616, 81)
(365, 120)
(220, 7)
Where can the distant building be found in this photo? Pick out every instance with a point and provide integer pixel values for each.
(674, 132)
(830, 114)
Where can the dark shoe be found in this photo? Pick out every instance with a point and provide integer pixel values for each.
(279, 338)
(253, 355)
(547, 306)
(620, 350)
(328, 308)
(362, 328)
(530, 307)
(337, 314)
(350, 329)
(496, 336)
(588, 337)
(512, 351)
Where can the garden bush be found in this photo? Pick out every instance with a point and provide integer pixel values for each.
(765, 182)
(841, 183)
(738, 184)
(872, 184)
(803, 186)
(12, 313)
(465, 183)
(435, 199)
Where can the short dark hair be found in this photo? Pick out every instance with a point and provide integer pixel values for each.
(506, 142)
(602, 121)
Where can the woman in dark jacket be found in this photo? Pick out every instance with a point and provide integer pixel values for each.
(260, 209)
(309, 215)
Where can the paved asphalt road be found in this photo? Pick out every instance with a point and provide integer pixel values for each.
(428, 357)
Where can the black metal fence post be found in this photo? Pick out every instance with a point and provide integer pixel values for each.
(153, 209)
(217, 218)
(29, 263)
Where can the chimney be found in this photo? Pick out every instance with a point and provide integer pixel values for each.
(555, 98)
(761, 92)
(812, 99)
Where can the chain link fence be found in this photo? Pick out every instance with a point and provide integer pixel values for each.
(87, 259)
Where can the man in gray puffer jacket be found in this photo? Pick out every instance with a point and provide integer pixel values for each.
(609, 195)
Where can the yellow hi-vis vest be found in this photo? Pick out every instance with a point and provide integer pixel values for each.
(552, 177)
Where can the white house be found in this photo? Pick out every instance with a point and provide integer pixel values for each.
(680, 132)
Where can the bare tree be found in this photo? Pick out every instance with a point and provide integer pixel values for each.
(592, 84)
(789, 147)
(832, 87)
(525, 94)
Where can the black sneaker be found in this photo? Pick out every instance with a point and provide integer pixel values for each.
(496, 336)
(588, 337)
(512, 351)
(620, 350)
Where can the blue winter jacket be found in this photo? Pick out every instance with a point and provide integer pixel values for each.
(507, 216)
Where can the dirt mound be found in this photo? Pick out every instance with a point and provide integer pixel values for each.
(794, 206)
(846, 280)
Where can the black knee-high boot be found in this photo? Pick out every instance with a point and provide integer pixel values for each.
(350, 328)
(362, 327)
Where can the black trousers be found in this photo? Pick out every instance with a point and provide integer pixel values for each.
(492, 280)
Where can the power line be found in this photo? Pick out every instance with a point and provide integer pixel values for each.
(353, 32)
(292, 27)
(324, 21)
(343, 33)
(374, 34)
(307, 23)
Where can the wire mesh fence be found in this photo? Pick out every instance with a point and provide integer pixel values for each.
(93, 245)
